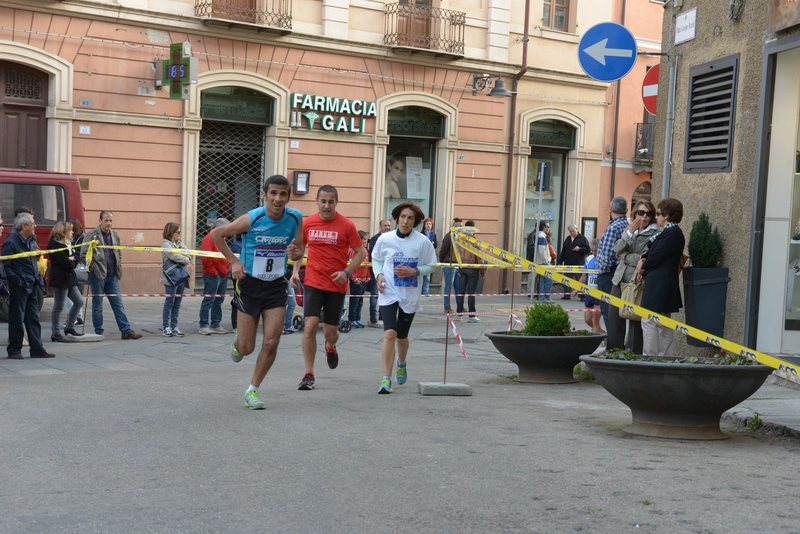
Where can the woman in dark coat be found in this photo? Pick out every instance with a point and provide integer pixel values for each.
(659, 269)
(63, 281)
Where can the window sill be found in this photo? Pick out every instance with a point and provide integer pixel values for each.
(556, 35)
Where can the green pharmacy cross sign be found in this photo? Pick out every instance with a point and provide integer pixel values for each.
(180, 70)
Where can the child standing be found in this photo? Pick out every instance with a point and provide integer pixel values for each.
(358, 283)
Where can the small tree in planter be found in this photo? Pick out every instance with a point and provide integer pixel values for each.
(705, 285)
(547, 348)
(705, 244)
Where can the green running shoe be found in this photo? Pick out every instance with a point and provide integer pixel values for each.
(251, 401)
(386, 387)
(402, 373)
(236, 356)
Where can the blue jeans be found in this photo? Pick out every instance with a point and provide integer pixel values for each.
(356, 300)
(373, 295)
(545, 285)
(469, 281)
(23, 311)
(60, 295)
(172, 306)
(212, 285)
(108, 286)
(426, 283)
(291, 304)
(450, 283)
(604, 284)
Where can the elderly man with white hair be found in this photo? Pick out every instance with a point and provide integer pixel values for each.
(607, 261)
(573, 252)
(23, 278)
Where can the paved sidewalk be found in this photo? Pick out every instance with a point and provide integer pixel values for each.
(153, 436)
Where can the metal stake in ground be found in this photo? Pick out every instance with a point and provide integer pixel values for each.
(443, 388)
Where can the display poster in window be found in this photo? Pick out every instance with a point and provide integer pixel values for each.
(395, 186)
(414, 181)
(532, 182)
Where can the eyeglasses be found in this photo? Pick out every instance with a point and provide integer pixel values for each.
(177, 231)
(660, 213)
(644, 213)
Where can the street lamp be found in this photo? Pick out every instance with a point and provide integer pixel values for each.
(481, 82)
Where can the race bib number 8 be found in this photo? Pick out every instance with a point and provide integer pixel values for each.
(269, 264)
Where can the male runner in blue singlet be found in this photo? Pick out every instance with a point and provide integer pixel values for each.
(270, 234)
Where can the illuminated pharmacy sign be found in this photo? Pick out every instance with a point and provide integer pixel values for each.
(332, 114)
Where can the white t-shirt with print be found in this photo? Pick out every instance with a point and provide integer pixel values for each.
(394, 251)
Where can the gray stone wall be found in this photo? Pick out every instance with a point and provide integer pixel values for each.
(726, 197)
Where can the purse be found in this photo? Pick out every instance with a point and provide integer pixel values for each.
(81, 273)
(175, 273)
(631, 292)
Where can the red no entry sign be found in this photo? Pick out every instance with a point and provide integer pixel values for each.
(650, 90)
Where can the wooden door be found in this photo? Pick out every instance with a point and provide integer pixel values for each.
(23, 120)
(414, 23)
(240, 10)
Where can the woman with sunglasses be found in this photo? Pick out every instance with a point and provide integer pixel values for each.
(659, 268)
(630, 248)
(172, 304)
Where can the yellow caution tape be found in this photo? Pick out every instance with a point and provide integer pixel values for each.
(39, 252)
(520, 264)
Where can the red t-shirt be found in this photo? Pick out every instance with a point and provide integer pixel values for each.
(327, 243)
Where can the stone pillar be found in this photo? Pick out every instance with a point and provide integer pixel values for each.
(499, 18)
(335, 15)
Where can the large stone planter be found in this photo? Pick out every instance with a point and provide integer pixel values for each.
(545, 359)
(677, 400)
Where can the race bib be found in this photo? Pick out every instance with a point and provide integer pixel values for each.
(269, 264)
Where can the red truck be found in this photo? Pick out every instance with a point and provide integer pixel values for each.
(52, 196)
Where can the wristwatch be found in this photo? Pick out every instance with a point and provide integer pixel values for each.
(416, 272)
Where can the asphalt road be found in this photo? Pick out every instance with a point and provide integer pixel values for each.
(153, 436)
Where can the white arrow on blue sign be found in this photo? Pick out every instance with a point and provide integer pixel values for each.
(607, 51)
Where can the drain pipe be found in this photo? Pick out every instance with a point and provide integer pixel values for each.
(616, 123)
(512, 127)
(666, 176)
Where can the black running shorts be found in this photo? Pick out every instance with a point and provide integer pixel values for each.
(252, 296)
(315, 300)
(394, 318)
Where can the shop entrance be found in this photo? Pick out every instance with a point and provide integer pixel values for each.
(411, 159)
(229, 172)
(779, 304)
(231, 161)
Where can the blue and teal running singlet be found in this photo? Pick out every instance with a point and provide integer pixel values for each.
(264, 245)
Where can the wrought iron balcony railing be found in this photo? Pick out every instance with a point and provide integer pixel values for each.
(425, 28)
(645, 140)
(275, 15)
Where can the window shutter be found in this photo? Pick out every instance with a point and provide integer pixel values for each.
(710, 116)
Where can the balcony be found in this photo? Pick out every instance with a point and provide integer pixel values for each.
(423, 29)
(273, 16)
(643, 151)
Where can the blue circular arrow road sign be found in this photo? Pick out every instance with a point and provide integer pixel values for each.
(607, 51)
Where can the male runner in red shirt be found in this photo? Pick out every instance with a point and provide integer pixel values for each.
(328, 235)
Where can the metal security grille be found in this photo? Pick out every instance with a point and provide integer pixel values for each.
(23, 85)
(710, 116)
(230, 170)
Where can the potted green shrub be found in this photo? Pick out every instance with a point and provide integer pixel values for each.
(674, 397)
(705, 284)
(547, 349)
